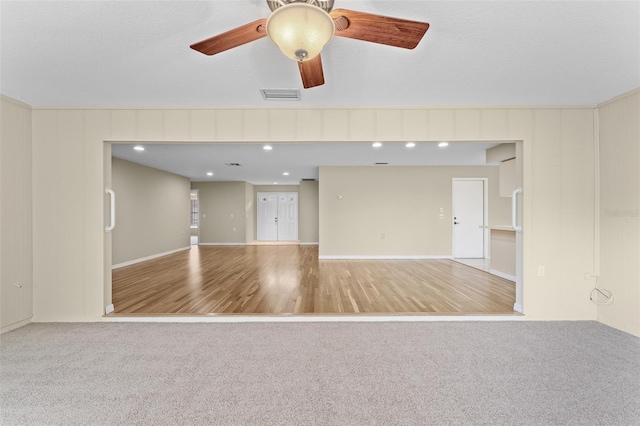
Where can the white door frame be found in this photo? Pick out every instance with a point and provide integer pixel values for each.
(485, 216)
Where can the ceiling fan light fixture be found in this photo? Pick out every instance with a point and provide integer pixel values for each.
(300, 30)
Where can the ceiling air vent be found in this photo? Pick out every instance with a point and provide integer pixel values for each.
(308, 180)
(381, 164)
(280, 94)
(233, 164)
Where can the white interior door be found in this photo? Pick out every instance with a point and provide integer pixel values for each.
(287, 216)
(277, 216)
(267, 216)
(468, 217)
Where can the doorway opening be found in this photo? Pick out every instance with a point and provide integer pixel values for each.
(250, 201)
(195, 216)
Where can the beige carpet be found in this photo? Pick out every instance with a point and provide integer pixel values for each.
(422, 373)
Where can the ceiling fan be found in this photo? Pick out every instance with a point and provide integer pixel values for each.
(301, 28)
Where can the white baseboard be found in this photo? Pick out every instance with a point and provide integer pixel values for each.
(309, 244)
(502, 275)
(517, 307)
(222, 244)
(15, 325)
(110, 308)
(275, 243)
(382, 257)
(142, 259)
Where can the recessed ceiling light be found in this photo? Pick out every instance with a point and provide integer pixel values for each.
(443, 144)
(267, 147)
(275, 183)
(285, 174)
(376, 144)
(209, 173)
(410, 145)
(138, 148)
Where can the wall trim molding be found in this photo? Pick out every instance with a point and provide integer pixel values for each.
(15, 325)
(502, 275)
(142, 259)
(384, 257)
(222, 244)
(310, 244)
(619, 97)
(269, 318)
(15, 101)
(345, 107)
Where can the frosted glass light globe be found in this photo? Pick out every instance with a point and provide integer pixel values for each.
(300, 30)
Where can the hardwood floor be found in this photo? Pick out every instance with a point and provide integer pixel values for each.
(291, 280)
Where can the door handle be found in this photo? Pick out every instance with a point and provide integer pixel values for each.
(514, 206)
(113, 209)
(455, 223)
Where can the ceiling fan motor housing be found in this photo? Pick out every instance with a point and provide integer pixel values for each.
(326, 5)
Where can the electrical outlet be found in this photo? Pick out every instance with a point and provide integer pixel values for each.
(541, 271)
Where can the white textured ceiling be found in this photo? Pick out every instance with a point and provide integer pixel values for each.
(136, 53)
(301, 161)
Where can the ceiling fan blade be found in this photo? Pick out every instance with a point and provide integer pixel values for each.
(311, 72)
(233, 38)
(378, 29)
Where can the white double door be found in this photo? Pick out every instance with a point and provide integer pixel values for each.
(277, 216)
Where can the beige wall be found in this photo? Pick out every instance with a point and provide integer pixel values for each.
(502, 152)
(619, 211)
(16, 225)
(220, 200)
(308, 212)
(359, 204)
(558, 198)
(222, 212)
(152, 211)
